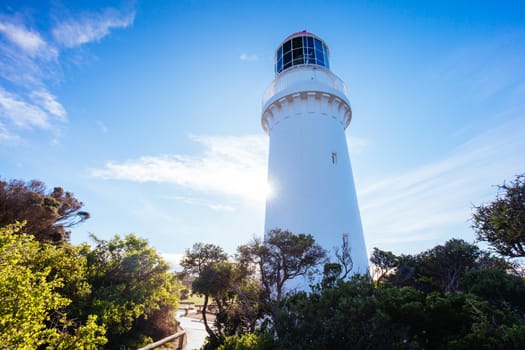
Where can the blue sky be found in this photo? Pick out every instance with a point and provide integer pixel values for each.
(149, 111)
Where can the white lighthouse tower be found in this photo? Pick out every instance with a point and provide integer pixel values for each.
(305, 113)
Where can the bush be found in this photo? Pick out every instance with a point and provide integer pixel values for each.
(248, 341)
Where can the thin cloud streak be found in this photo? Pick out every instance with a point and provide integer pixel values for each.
(230, 165)
(425, 203)
(6, 137)
(203, 202)
(90, 27)
(49, 103)
(248, 57)
(26, 40)
(20, 113)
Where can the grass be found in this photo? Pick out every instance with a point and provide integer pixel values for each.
(197, 300)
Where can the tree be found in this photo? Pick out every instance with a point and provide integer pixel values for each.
(227, 285)
(280, 258)
(345, 316)
(200, 256)
(208, 265)
(132, 291)
(354, 314)
(441, 268)
(32, 309)
(48, 214)
(498, 287)
(384, 262)
(445, 264)
(215, 282)
(501, 223)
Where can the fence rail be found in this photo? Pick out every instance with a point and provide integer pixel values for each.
(180, 336)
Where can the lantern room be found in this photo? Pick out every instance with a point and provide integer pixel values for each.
(299, 49)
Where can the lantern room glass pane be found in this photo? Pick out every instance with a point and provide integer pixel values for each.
(310, 41)
(318, 44)
(287, 60)
(309, 55)
(319, 57)
(297, 43)
(287, 56)
(279, 60)
(298, 57)
(287, 46)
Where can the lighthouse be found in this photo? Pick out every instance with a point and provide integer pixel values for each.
(305, 112)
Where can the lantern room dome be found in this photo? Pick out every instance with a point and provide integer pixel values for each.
(299, 49)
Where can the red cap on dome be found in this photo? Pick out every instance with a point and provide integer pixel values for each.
(304, 32)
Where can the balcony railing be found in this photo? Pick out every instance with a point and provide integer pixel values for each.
(304, 74)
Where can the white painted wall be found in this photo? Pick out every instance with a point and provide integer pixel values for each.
(305, 119)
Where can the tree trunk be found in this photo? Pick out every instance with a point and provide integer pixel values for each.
(205, 320)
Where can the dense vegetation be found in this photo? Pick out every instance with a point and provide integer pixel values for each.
(117, 293)
(453, 296)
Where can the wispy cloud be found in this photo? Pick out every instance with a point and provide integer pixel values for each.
(230, 165)
(203, 202)
(248, 57)
(26, 40)
(90, 27)
(426, 202)
(6, 137)
(29, 60)
(20, 113)
(26, 58)
(49, 103)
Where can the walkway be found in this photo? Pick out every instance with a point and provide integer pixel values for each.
(195, 331)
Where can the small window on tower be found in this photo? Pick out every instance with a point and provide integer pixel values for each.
(334, 157)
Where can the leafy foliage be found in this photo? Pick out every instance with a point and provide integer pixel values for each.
(442, 267)
(216, 282)
(200, 256)
(280, 258)
(133, 292)
(383, 262)
(356, 315)
(66, 297)
(248, 341)
(48, 214)
(501, 223)
(343, 317)
(228, 286)
(32, 310)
